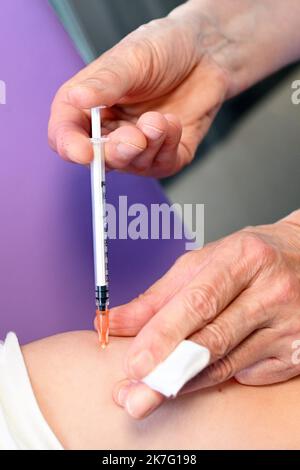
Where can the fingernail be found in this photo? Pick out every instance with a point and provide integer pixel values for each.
(141, 365)
(122, 395)
(141, 402)
(152, 132)
(128, 151)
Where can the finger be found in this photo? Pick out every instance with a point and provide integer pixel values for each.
(140, 401)
(227, 273)
(266, 372)
(250, 352)
(154, 127)
(194, 136)
(137, 398)
(120, 392)
(128, 319)
(105, 81)
(167, 160)
(239, 320)
(173, 160)
(68, 132)
(256, 347)
(123, 146)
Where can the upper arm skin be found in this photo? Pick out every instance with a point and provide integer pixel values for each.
(73, 379)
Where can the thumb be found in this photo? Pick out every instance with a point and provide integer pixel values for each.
(105, 81)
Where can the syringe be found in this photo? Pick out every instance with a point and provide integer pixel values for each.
(99, 228)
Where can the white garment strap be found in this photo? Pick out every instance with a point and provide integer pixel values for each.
(184, 363)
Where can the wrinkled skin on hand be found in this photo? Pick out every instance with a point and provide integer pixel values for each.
(238, 296)
(162, 93)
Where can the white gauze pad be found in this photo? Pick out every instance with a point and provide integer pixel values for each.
(186, 361)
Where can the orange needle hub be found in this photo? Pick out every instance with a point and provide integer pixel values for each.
(102, 324)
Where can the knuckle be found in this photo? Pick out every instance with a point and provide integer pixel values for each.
(164, 337)
(258, 310)
(221, 370)
(145, 300)
(200, 302)
(287, 289)
(217, 340)
(256, 249)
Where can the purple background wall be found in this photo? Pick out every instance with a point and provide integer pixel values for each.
(46, 267)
